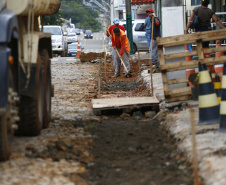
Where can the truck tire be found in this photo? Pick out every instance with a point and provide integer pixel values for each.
(31, 108)
(4, 140)
(7, 121)
(47, 88)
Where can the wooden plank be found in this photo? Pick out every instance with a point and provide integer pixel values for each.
(183, 91)
(179, 66)
(191, 38)
(181, 98)
(177, 81)
(179, 55)
(214, 60)
(162, 63)
(192, 64)
(214, 50)
(119, 102)
(199, 49)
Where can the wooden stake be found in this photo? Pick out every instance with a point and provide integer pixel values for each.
(139, 63)
(152, 90)
(99, 80)
(195, 160)
(105, 70)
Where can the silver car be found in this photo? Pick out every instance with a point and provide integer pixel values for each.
(72, 37)
(72, 49)
(139, 38)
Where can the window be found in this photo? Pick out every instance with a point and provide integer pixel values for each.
(139, 27)
(195, 2)
(52, 30)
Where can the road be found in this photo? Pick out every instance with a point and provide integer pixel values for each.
(96, 44)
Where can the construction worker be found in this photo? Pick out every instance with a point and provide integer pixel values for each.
(109, 33)
(147, 28)
(156, 33)
(120, 42)
(115, 24)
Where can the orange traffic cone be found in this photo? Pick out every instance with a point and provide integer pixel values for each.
(78, 51)
(189, 71)
(219, 67)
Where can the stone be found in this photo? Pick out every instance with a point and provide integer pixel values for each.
(150, 114)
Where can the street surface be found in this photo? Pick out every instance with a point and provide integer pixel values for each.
(93, 45)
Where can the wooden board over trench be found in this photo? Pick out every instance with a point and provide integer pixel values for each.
(100, 105)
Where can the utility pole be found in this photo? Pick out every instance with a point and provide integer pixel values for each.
(129, 25)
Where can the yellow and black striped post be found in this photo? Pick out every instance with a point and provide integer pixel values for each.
(208, 102)
(222, 127)
(217, 87)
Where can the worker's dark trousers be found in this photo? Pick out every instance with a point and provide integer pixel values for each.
(117, 61)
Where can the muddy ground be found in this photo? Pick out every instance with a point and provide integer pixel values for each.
(134, 152)
(129, 148)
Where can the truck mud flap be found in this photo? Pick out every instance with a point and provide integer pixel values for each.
(27, 88)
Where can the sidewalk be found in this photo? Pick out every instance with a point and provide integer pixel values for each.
(211, 145)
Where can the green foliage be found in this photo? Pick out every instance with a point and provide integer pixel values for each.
(81, 14)
(54, 19)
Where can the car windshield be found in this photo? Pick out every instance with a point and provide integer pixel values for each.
(88, 32)
(71, 35)
(52, 30)
(72, 46)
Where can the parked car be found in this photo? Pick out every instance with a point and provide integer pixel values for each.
(72, 37)
(139, 38)
(72, 49)
(59, 39)
(88, 34)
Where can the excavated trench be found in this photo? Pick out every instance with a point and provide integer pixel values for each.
(128, 148)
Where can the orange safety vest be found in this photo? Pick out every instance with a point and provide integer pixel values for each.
(122, 33)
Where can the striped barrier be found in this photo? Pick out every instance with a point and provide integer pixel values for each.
(217, 87)
(208, 102)
(222, 127)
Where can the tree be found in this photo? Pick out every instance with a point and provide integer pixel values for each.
(82, 14)
(55, 19)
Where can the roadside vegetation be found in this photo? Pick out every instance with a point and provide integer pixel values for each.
(82, 16)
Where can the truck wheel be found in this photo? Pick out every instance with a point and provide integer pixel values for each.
(47, 88)
(31, 108)
(8, 123)
(4, 141)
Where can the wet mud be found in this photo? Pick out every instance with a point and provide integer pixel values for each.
(134, 151)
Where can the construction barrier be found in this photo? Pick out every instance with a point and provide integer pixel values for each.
(217, 87)
(222, 127)
(174, 89)
(78, 50)
(208, 102)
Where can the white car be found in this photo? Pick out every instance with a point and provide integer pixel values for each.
(59, 41)
(72, 37)
(139, 38)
